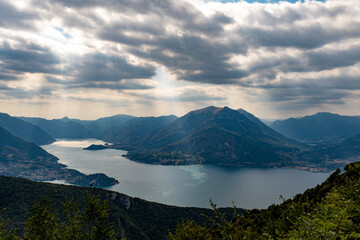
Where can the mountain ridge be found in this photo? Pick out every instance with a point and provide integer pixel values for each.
(320, 128)
(25, 130)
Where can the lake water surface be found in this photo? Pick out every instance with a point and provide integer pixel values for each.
(190, 186)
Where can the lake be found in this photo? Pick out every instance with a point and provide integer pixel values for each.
(190, 186)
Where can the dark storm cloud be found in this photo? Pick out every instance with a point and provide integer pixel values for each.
(330, 59)
(7, 77)
(106, 72)
(289, 15)
(33, 59)
(191, 57)
(195, 58)
(221, 18)
(301, 37)
(307, 61)
(91, 71)
(10, 17)
(311, 92)
(109, 68)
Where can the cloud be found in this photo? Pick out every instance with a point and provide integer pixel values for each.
(302, 54)
(185, 94)
(19, 93)
(109, 68)
(31, 58)
(121, 85)
(11, 17)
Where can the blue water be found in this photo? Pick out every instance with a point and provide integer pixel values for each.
(186, 185)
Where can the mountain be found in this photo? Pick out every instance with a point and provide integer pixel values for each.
(133, 131)
(24, 159)
(214, 136)
(336, 155)
(75, 128)
(321, 128)
(61, 128)
(100, 126)
(24, 130)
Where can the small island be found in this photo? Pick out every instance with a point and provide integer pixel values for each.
(94, 147)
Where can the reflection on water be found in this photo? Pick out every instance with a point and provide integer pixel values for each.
(196, 172)
(186, 185)
(76, 143)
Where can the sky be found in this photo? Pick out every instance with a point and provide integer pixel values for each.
(97, 58)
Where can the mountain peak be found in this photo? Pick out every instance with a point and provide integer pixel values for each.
(213, 110)
(208, 109)
(326, 114)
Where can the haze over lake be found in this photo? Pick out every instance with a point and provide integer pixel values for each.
(191, 185)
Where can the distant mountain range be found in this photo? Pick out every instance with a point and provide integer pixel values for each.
(25, 130)
(24, 159)
(224, 136)
(321, 128)
(215, 135)
(61, 128)
(77, 129)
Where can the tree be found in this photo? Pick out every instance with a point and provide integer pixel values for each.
(95, 218)
(4, 233)
(89, 224)
(43, 223)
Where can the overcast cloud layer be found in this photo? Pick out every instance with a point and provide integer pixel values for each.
(168, 57)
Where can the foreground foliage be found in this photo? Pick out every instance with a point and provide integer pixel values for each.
(44, 223)
(329, 211)
(132, 218)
